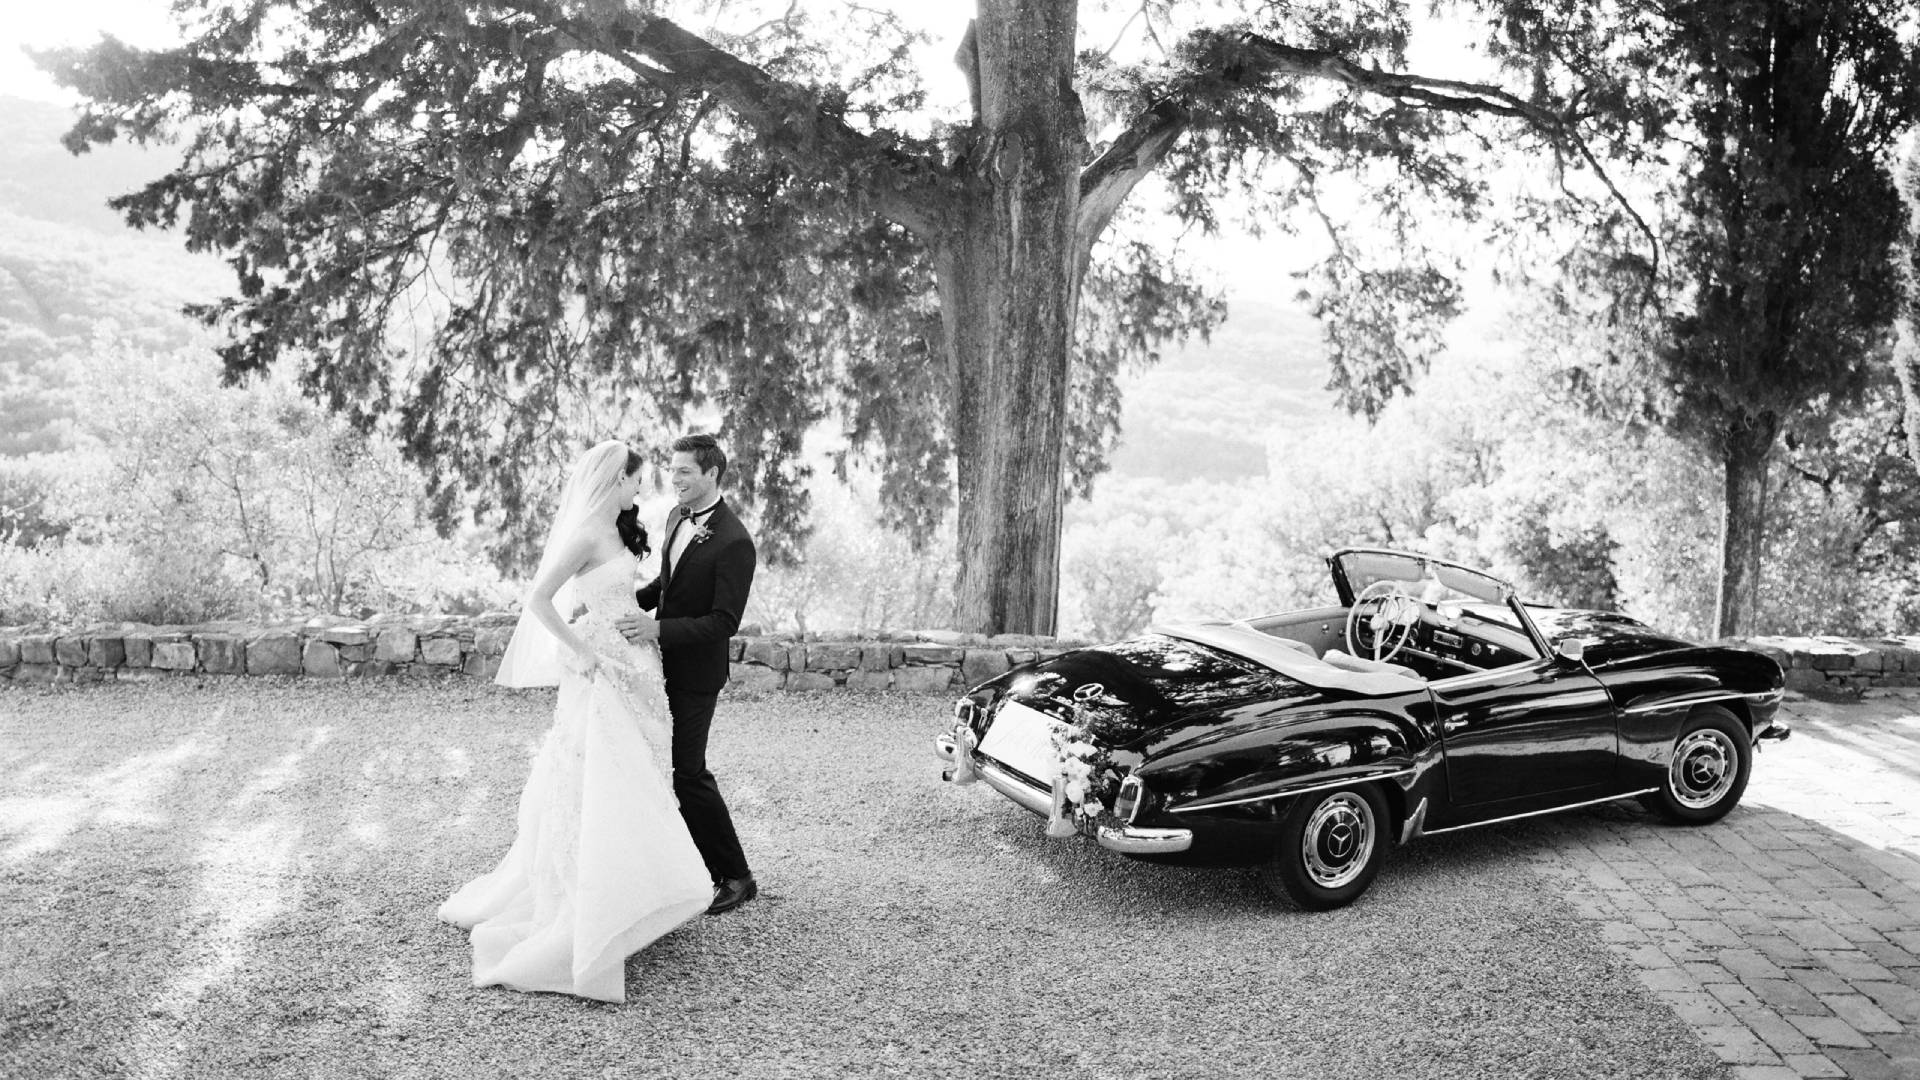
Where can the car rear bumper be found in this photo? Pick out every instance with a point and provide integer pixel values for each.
(955, 751)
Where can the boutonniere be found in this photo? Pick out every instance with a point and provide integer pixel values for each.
(700, 534)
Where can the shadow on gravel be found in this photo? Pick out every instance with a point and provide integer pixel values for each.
(261, 903)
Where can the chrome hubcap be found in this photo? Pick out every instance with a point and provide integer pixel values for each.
(1703, 769)
(1338, 840)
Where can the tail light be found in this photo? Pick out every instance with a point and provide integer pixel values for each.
(1132, 798)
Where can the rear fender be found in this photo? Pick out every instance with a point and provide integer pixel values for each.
(1250, 770)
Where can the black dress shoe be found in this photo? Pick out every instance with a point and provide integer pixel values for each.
(730, 893)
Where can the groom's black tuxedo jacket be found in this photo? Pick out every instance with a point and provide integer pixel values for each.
(700, 599)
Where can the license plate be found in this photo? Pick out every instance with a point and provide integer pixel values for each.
(1022, 738)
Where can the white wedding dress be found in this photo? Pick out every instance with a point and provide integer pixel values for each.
(601, 863)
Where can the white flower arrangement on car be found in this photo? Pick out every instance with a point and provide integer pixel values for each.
(1086, 779)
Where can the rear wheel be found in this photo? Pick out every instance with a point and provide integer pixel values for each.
(1708, 771)
(1331, 845)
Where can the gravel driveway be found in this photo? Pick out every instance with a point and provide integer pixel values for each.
(218, 878)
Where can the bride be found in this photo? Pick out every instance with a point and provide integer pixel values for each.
(601, 862)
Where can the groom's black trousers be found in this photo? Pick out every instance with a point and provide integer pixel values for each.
(700, 802)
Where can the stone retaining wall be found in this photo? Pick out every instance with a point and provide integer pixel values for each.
(924, 661)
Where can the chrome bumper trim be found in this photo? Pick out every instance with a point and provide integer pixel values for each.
(1038, 800)
(1133, 840)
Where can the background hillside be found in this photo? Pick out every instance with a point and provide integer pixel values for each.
(1205, 411)
(72, 274)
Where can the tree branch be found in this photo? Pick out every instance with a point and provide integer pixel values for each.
(904, 187)
(1105, 183)
(1259, 58)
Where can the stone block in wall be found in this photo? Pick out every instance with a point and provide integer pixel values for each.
(482, 665)
(876, 658)
(755, 677)
(1870, 659)
(869, 680)
(174, 655)
(1831, 656)
(932, 654)
(1806, 678)
(320, 659)
(835, 656)
(222, 654)
(979, 665)
(395, 645)
(9, 652)
(350, 634)
(70, 651)
(36, 649)
(441, 651)
(355, 653)
(139, 650)
(275, 652)
(1898, 656)
(809, 681)
(106, 651)
(736, 649)
(36, 673)
(770, 654)
(923, 679)
(492, 640)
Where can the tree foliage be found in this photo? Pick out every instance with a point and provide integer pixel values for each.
(509, 226)
(1760, 281)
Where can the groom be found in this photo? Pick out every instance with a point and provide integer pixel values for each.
(706, 570)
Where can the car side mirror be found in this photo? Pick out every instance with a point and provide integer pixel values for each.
(1573, 650)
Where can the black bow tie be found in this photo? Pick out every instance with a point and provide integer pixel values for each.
(695, 515)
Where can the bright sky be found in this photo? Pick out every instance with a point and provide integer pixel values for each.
(71, 22)
(44, 23)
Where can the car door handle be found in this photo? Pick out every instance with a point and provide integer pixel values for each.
(1448, 727)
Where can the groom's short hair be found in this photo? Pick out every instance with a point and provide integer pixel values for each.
(706, 453)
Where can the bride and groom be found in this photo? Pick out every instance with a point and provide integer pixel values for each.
(622, 833)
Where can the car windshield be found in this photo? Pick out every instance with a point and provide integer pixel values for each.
(1431, 580)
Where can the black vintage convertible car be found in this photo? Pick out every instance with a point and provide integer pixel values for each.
(1430, 699)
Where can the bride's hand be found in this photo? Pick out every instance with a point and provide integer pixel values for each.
(585, 662)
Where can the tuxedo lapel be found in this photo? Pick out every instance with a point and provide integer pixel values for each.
(674, 521)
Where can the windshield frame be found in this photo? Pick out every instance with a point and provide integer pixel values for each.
(1362, 567)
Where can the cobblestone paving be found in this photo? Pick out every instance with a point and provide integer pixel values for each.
(1788, 934)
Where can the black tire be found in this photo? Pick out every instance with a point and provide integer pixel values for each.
(1707, 772)
(1332, 843)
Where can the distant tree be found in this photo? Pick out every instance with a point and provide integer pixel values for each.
(628, 224)
(1906, 349)
(1764, 131)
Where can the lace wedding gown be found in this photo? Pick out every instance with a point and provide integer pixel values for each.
(601, 863)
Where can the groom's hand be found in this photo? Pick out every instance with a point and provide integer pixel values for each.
(638, 628)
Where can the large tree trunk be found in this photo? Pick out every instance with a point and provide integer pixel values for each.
(1749, 440)
(1008, 287)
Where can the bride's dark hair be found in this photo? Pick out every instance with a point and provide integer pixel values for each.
(627, 522)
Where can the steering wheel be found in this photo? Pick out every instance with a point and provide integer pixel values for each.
(1388, 612)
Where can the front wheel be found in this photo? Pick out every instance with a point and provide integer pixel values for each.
(1331, 845)
(1708, 771)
